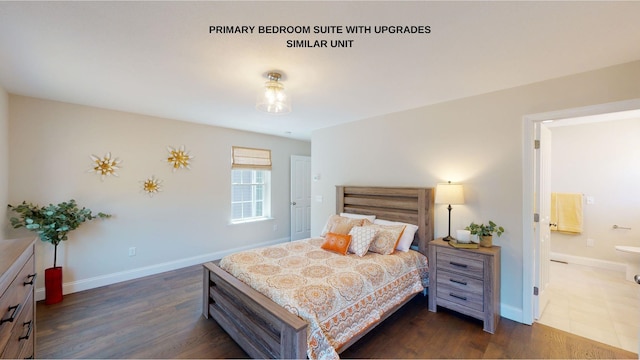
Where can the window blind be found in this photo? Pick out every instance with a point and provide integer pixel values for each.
(248, 158)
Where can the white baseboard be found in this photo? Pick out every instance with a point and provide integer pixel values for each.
(579, 260)
(108, 279)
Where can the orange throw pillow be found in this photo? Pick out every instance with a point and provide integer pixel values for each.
(338, 243)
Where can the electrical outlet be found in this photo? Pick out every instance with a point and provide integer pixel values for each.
(132, 251)
(275, 227)
(591, 242)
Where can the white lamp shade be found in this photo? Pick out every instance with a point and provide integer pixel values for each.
(452, 194)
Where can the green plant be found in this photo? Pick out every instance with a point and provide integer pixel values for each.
(485, 229)
(53, 222)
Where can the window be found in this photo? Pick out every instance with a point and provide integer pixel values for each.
(249, 195)
(250, 185)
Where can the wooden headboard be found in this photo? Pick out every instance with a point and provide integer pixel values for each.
(409, 205)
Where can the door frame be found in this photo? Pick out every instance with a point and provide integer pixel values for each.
(531, 245)
(542, 231)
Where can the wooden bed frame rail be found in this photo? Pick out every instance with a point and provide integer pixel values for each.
(263, 328)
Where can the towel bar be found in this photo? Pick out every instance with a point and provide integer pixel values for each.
(621, 227)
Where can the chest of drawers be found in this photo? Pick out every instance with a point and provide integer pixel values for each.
(466, 281)
(17, 304)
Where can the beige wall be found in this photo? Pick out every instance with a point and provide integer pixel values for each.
(476, 141)
(600, 161)
(187, 223)
(4, 161)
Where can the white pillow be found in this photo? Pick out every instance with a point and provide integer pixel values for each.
(358, 216)
(407, 236)
(361, 239)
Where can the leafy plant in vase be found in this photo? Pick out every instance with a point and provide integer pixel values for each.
(485, 232)
(52, 223)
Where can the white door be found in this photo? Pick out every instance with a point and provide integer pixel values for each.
(300, 197)
(542, 229)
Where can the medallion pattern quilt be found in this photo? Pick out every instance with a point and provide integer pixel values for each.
(338, 295)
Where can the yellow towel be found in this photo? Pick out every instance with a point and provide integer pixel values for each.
(566, 213)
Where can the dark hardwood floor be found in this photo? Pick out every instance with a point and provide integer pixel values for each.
(160, 317)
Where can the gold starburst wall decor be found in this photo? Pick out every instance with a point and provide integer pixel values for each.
(105, 166)
(179, 158)
(152, 186)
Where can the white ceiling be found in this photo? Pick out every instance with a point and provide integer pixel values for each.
(158, 58)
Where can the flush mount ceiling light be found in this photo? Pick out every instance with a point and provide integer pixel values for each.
(272, 98)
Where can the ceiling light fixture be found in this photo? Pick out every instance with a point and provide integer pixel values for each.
(272, 98)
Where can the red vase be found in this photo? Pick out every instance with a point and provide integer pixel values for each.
(53, 285)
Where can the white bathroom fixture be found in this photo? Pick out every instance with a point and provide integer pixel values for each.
(631, 257)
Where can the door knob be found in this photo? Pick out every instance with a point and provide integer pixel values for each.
(293, 203)
(637, 279)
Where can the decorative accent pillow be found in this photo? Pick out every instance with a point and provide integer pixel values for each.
(407, 236)
(371, 218)
(338, 243)
(361, 238)
(387, 238)
(340, 225)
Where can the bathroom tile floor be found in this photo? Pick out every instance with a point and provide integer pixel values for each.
(594, 303)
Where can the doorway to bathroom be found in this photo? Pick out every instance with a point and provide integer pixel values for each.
(588, 157)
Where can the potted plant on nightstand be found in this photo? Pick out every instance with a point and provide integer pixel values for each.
(485, 232)
(52, 223)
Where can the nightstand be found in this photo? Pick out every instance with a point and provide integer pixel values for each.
(466, 281)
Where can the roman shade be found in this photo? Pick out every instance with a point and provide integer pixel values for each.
(248, 158)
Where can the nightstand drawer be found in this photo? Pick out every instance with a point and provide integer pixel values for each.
(468, 266)
(461, 290)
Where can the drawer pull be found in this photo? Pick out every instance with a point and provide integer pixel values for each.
(458, 264)
(458, 296)
(26, 337)
(31, 278)
(461, 282)
(13, 314)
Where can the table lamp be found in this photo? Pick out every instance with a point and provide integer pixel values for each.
(451, 194)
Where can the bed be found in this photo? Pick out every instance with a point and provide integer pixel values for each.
(265, 329)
